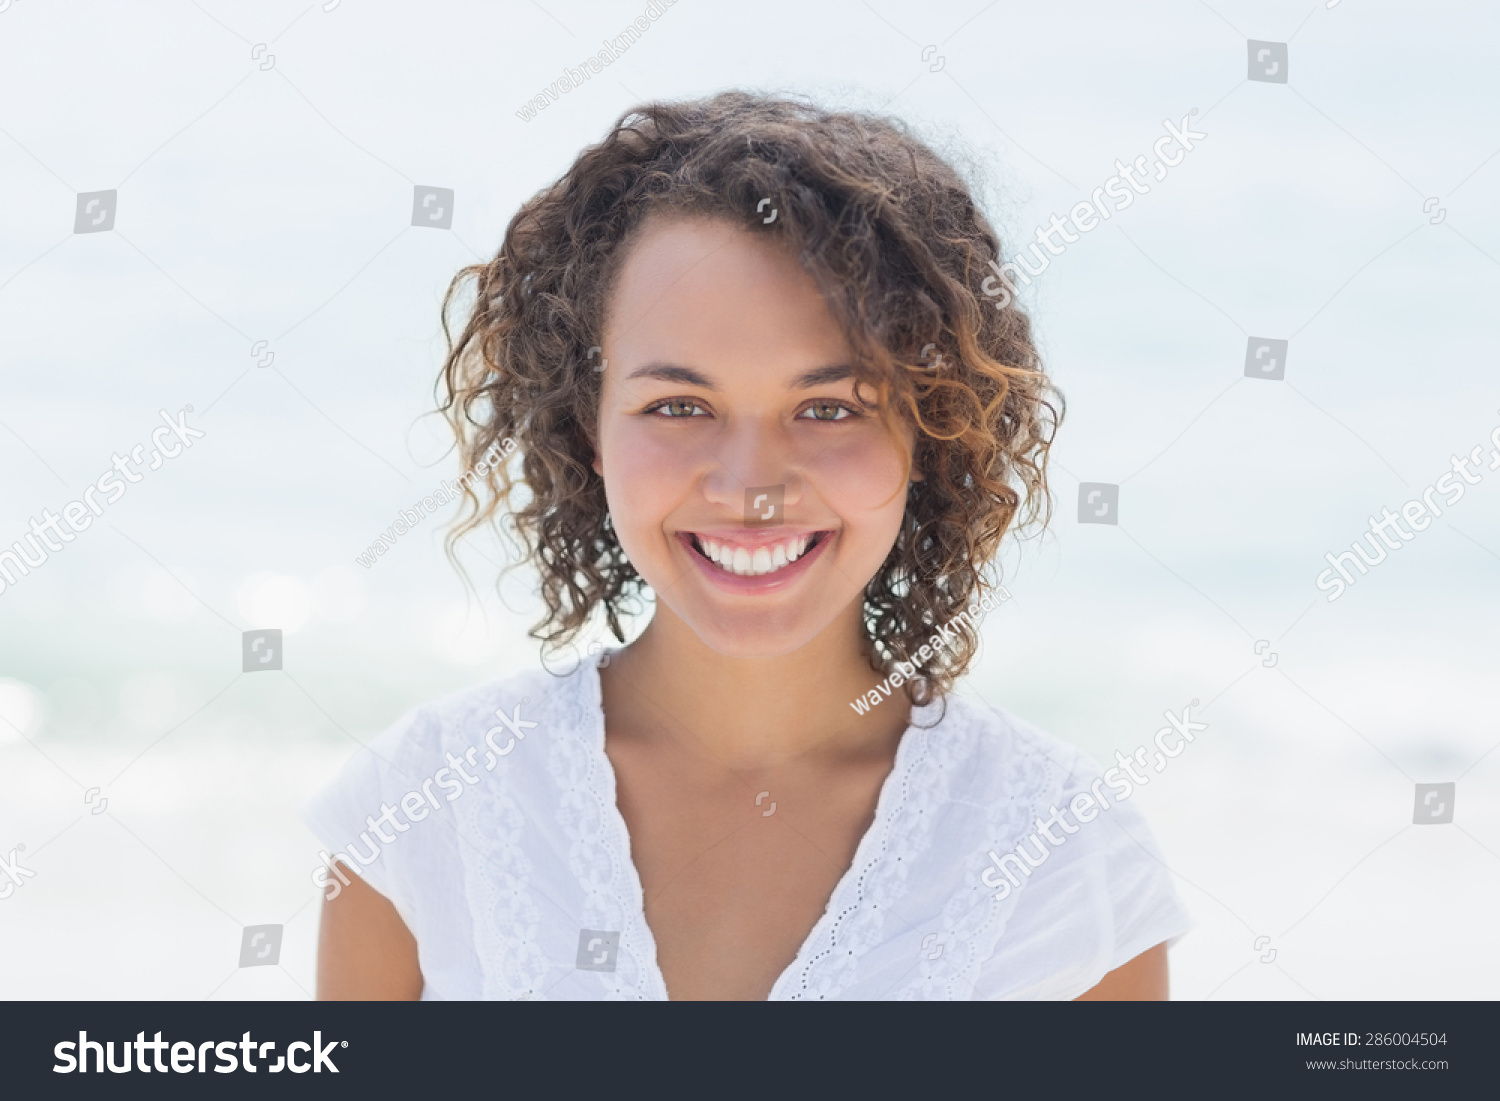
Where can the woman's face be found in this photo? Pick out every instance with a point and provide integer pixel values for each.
(746, 484)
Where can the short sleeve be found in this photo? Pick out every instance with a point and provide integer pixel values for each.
(345, 814)
(1100, 897)
(1144, 909)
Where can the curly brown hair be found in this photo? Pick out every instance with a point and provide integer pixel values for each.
(896, 244)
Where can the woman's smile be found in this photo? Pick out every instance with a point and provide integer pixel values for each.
(748, 561)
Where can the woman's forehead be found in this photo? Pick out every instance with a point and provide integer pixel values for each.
(704, 293)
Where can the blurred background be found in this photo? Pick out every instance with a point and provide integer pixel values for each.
(266, 258)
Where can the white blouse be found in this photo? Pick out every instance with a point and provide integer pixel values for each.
(488, 818)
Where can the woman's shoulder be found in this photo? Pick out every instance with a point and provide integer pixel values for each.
(465, 734)
(1025, 773)
(1069, 857)
(1002, 755)
(479, 714)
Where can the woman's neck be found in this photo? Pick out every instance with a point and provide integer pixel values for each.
(754, 712)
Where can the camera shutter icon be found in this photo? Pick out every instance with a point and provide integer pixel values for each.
(260, 946)
(1265, 358)
(598, 950)
(765, 506)
(260, 651)
(1098, 503)
(432, 207)
(1268, 61)
(95, 212)
(1434, 804)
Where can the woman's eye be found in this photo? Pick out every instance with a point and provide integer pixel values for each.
(826, 411)
(678, 407)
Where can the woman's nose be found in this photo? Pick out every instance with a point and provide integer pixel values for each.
(753, 471)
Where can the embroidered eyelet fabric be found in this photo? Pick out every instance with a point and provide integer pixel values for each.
(519, 883)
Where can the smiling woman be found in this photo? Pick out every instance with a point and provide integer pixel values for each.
(774, 456)
(728, 372)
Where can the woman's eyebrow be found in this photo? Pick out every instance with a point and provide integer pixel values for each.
(821, 376)
(666, 372)
(688, 376)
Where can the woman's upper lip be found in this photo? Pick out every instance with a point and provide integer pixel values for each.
(754, 537)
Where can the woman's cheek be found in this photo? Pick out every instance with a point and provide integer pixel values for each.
(645, 477)
(860, 475)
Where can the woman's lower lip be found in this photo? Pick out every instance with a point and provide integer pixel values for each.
(755, 583)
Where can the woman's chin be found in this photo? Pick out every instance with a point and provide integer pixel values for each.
(755, 636)
(752, 645)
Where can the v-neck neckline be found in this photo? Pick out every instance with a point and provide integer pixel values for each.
(833, 909)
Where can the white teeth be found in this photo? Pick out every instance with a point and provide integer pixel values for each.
(761, 560)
